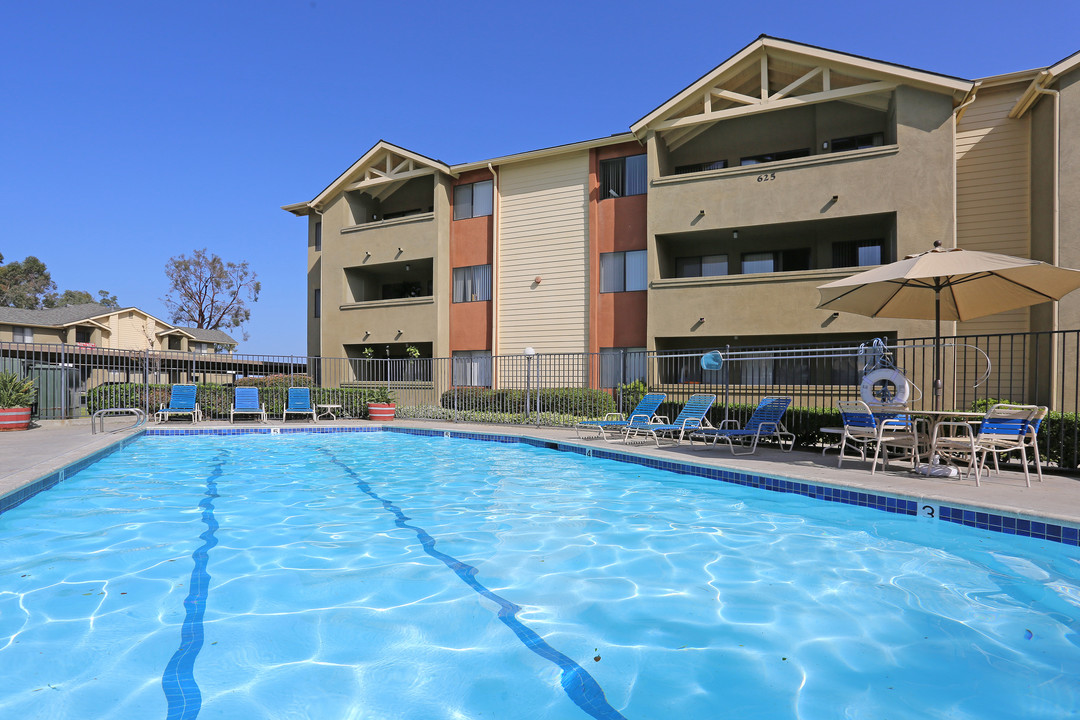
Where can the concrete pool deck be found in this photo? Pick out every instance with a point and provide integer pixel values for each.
(36, 453)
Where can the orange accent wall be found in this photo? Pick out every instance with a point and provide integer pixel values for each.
(470, 244)
(470, 326)
(615, 225)
(470, 241)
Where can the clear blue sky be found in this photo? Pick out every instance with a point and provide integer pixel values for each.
(136, 131)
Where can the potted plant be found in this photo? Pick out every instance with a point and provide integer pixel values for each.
(381, 405)
(367, 353)
(16, 396)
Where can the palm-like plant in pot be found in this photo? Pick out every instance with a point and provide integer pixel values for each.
(16, 396)
(381, 405)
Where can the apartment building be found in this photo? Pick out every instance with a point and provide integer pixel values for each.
(710, 223)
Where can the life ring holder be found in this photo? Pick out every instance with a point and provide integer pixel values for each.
(885, 386)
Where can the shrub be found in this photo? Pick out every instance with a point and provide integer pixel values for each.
(580, 402)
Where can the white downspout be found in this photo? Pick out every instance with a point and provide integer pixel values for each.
(1055, 215)
(494, 270)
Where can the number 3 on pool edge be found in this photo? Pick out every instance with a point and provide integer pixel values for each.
(927, 511)
(766, 177)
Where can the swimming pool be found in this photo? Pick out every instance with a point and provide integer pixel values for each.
(378, 575)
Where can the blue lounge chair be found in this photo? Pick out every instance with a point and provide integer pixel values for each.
(690, 419)
(181, 402)
(616, 423)
(246, 402)
(299, 403)
(763, 423)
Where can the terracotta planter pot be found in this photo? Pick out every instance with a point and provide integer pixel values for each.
(14, 418)
(383, 412)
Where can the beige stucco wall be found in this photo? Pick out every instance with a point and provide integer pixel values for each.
(345, 245)
(914, 179)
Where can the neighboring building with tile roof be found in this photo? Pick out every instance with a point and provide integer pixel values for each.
(94, 325)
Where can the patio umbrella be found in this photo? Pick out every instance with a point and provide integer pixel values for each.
(948, 284)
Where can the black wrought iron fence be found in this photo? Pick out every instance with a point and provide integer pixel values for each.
(559, 389)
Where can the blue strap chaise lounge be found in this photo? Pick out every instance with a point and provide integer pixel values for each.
(691, 418)
(299, 403)
(181, 402)
(246, 402)
(763, 423)
(614, 425)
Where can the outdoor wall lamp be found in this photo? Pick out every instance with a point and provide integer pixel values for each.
(734, 234)
(538, 279)
(406, 267)
(700, 320)
(834, 316)
(835, 198)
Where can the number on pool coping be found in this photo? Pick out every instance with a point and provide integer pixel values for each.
(927, 511)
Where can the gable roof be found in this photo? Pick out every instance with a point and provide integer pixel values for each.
(772, 73)
(56, 317)
(208, 335)
(1046, 78)
(91, 312)
(384, 164)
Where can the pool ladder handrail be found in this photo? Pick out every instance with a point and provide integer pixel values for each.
(140, 419)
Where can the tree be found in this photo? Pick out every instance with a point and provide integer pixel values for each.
(80, 297)
(24, 284)
(208, 292)
(29, 286)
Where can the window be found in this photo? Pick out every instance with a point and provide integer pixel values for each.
(702, 266)
(623, 176)
(773, 157)
(621, 365)
(318, 236)
(472, 368)
(83, 334)
(22, 335)
(174, 342)
(700, 167)
(622, 271)
(472, 284)
(857, 142)
(473, 200)
(318, 303)
(776, 261)
(858, 253)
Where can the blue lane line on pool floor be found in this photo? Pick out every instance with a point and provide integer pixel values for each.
(178, 681)
(579, 685)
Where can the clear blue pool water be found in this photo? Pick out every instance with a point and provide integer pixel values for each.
(391, 576)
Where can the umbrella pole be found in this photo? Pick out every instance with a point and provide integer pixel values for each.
(938, 384)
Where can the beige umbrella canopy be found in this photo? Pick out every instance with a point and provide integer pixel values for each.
(948, 284)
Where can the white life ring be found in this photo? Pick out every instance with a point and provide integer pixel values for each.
(885, 385)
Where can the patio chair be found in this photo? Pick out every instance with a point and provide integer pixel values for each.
(181, 402)
(616, 423)
(299, 403)
(763, 423)
(246, 402)
(1004, 429)
(882, 431)
(690, 419)
(1031, 439)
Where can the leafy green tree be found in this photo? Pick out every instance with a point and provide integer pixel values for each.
(207, 292)
(80, 297)
(24, 284)
(28, 285)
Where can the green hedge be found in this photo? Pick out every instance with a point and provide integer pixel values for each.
(215, 401)
(580, 402)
